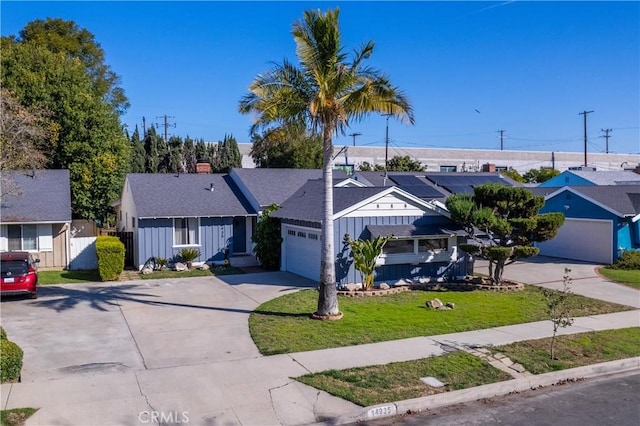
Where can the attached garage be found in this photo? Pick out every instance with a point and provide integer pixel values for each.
(588, 240)
(302, 255)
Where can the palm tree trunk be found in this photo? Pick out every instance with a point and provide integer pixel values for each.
(328, 297)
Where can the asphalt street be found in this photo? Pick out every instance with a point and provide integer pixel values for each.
(608, 400)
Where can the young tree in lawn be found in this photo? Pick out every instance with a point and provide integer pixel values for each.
(510, 218)
(328, 90)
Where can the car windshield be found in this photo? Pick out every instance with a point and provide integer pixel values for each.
(14, 267)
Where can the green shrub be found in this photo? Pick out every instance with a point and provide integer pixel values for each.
(188, 255)
(110, 254)
(630, 260)
(10, 361)
(3, 334)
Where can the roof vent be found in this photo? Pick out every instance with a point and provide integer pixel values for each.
(211, 187)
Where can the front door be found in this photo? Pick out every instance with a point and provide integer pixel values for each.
(239, 235)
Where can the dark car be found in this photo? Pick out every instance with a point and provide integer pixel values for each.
(18, 274)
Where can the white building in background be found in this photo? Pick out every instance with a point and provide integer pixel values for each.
(459, 160)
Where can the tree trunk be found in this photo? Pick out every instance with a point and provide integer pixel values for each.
(328, 296)
(497, 273)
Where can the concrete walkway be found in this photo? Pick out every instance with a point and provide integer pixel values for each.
(179, 352)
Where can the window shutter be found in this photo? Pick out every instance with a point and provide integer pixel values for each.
(45, 237)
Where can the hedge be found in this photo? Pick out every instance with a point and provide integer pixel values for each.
(3, 334)
(110, 253)
(10, 361)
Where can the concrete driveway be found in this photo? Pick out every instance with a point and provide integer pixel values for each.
(110, 353)
(549, 271)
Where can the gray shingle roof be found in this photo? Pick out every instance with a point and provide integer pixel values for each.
(187, 195)
(45, 196)
(608, 177)
(306, 203)
(276, 185)
(620, 198)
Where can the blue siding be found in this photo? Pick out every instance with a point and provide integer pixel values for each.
(579, 208)
(155, 239)
(566, 178)
(355, 227)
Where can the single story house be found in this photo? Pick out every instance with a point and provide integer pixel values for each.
(424, 244)
(600, 221)
(169, 212)
(35, 215)
(592, 178)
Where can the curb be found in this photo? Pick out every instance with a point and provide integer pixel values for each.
(487, 391)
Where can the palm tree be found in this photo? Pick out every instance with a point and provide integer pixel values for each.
(326, 92)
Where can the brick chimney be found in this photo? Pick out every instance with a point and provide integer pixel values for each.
(203, 168)
(488, 167)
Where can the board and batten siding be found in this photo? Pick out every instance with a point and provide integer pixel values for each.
(356, 228)
(155, 239)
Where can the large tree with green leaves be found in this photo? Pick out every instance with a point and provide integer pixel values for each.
(226, 155)
(292, 146)
(327, 90)
(67, 38)
(510, 219)
(90, 140)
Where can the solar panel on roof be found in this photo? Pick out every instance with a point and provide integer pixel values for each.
(461, 189)
(422, 191)
(408, 180)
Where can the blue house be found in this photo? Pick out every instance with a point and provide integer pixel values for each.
(600, 221)
(424, 243)
(592, 178)
(169, 212)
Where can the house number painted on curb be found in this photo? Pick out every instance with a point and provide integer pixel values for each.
(382, 410)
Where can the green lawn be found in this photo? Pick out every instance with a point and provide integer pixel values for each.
(401, 380)
(67, 277)
(283, 325)
(574, 350)
(622, 276)
(16, 416)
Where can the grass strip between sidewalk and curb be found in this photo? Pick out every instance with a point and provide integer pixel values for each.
(379, 384)
(16, 416)
(401, 380)
(283, 325)
(574, 350)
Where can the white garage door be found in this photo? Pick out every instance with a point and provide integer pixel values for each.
(582, 239)
(302, 253)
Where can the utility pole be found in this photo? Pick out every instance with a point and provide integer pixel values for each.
(166, 125)
(386, 145)
(584, 113)
(354, 137)
(606, 138)
(501, 139)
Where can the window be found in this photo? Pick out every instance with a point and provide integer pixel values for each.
(448, 168)
(501, 168)
(291, 232)
(27, 238)
(432, 244)
(313, 236)
(302, 234)
(398, 246)
(186, 232)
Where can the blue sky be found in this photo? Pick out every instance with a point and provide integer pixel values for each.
(469, 68)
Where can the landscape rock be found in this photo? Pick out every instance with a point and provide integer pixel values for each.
(146, 271)
(351, 287)
(384, 286)
(435, 303)
(180, 267)
(204, 267)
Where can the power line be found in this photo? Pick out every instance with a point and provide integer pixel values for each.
(606, 138)
(166, 124)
